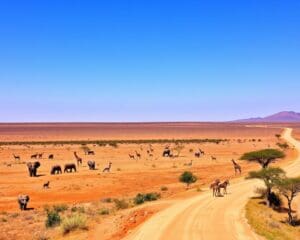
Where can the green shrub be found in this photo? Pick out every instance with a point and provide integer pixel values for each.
(53, 219)
(141, 198)
(74, 222)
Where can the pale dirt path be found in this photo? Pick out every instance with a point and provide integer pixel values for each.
(206, 218)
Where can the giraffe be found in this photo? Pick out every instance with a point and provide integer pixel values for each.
(237, 167)
(79, 160)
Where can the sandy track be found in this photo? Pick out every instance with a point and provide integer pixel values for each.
(207, 218)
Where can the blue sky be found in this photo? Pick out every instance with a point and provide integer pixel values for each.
(148, 60)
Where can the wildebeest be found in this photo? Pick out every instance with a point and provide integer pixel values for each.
(51, 156)
(197, 154)
(167, 153)
(90, 152)
(56, 169)
(23, 201)
(34, 156)
(32, 168)
(91, 164)
(69, 167)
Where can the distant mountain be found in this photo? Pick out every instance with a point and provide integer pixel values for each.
(285, 116)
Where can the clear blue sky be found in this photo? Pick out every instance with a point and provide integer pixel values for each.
(148, 60)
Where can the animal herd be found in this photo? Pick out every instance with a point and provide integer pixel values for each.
(23, 200)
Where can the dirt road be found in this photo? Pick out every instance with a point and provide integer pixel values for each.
(207, 218)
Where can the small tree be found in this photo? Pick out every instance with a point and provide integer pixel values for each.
(270, 176)
(278, 136)
(289, 188)
(188, 178)
(263, 157)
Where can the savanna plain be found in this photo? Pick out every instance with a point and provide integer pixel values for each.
(109, 202)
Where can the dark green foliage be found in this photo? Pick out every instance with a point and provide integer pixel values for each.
(263, 157)
(60, 207)
(53, 219)
(141, 198)
(187, 178)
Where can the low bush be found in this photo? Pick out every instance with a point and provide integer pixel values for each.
(164, 188)
(53, 219)
(141, 198)
(74, 222)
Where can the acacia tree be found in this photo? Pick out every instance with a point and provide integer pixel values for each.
(263, 157)
(289, 188)
(270, 176)
(187, 178)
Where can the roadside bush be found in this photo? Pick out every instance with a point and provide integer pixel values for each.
(141, 198)
(74, 222)
(164, 188)
(53, 219)
(121, 204)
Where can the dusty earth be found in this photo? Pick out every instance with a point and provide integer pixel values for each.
(127, 178)
(200, 216)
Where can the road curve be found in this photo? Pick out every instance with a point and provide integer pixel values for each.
(206, 218)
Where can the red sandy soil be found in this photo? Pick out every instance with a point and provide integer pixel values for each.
(128, 177)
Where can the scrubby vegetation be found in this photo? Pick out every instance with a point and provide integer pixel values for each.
(53, 219)
(76, 221)
(114, 143)
(187, 178)
(141, 198)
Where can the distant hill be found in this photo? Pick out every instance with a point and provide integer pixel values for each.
(285, 116)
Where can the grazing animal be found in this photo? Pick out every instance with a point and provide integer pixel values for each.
(237, 167)
(202, 152)
(78, 159)
(32, 168)
(69, 167)
(91, 164)
(213, 158)
(16, 157)
(150, 155)
(107, 169)
(131, 156)
(197, 154)
(51, 156)
(224, 186)
(167, 153)
(138, 155)
(90, 152)
(46, 185)
(215, 187)
(34, 156)
(23, 201)
(40, 155)
(56, 169)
